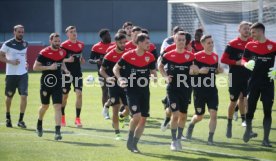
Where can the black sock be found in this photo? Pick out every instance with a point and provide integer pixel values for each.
(180, 132)
(173, 131)
(211, 135)
(117, 131)
(58, 129)
(167, 120)
(130, 135)
(229, 121)
(78, 111)
(39, 123)
(21, 117)
(237, 108)
(63, 110)
(8, 115)
(267, 127)
(248, 125)
(243, 117)
(135, 141)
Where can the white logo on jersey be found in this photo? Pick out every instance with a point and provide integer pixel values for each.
(132, 59)
(269, 47)
(215, 58)
(24, 44)
(60, 53)
(239, 44)
(80, 45)
(255, 46)
(173, 56)
(50, 53)
(187, 56)
(147, 59)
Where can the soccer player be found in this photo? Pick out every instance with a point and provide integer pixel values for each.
(205, 90)
(178, 63)
(238, 74)
(170, 40)
(196, 45)
(259, 56)
(127, 26)
(13, 53)
(152, 48)
(137, 65)
(117, 94)
(50, 63)
(98, 51)
(130, 45)
(73, 61)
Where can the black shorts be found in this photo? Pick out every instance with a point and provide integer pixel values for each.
(55, 92)
(209, 97)
(190, 91)
(236, 88)
(179, 100)
(16, 81)
(76, 80)
(138, 102)
(115, 94)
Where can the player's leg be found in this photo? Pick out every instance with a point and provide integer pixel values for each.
(57, 100)
(23, 92)
(45, 100)
(105, 103)
(78, 84)
(242, 107)
(234, 96)
(65, 90)
(212, 125)
(11, 84)
(167, 119)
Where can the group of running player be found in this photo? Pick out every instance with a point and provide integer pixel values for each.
(126, 66)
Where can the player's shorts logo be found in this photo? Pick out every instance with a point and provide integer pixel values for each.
(44, 93)
(134, 108)
(198, 110)
(112, 99)
(10, 93)
(231, 97)
(269, 47)
(64, 90)
(173, 105)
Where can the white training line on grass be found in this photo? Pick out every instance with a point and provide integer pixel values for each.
(144, 142)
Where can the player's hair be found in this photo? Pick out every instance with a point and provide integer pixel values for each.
(69, 28)
(126, 24)
(145, 31)
(136, 28)
(176, 29)
(141, 38)
(102, 32)
(122, 31)
(51, 37)
(188, 37)
(204, 37)
(199, 30)
(258, 25)
(244, 23)
(119, 37)
(17, 27)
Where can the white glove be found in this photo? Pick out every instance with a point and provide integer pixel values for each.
(272, 73)
(250, 65)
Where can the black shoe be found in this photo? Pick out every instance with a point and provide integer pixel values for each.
(229, 131)
(58, 136)
(190, 131)
(39, 131)
(21, 124)
(253, 134)
(210, 142)
(8, 123)
(246, 136)
(135, 149)
(266, 143)
(130, 144)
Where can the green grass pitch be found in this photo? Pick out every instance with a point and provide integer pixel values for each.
(96, 140)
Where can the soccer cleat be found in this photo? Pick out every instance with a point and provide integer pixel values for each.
(78, 122)
(173, 146)
(210, 142)
(135, 149)
(178, 145)
(39, 131)
(246, 135)
(183, 137)
(118, 137)
(190, 131)
(58, 136)
(8, 123)
(229, 131)
(164, 126)
(253, 134)
(63, 121)
(266, 143)
(105, 113)
(243, 124)
(21, 124)
(236, 115)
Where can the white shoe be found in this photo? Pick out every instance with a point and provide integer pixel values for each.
(236, 115)
(173, 146)
(243, 124)
(178, 145)
(105, 113)
(163, 127)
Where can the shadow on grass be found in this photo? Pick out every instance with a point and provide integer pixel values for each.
(50, 131)
(83, 143)
(172, 157)
(100, 130)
